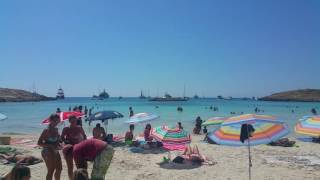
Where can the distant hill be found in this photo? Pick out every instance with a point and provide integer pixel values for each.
(304, 95)
(17, 95)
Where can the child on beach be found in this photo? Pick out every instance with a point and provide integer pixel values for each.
(147, 132)
(129, 137)
(49, 140)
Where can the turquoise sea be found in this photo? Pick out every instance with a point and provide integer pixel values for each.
(26, 117)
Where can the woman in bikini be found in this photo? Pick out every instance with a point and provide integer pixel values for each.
(71, 135)
(49, 140)
(193, 154)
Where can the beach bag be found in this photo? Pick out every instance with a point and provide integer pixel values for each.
(159, 144)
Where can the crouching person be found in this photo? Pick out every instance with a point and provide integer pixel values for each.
(93, 150)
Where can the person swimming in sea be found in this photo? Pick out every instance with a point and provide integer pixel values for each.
(314, 111)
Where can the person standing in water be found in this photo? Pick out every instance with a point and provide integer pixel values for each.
(90, 112)
(49, 140)
(86, 111)
(314, 111)
(130, 112)
(72, 135)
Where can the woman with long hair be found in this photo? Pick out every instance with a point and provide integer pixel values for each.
(49, 140)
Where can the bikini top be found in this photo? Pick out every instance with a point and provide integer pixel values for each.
(52, 140)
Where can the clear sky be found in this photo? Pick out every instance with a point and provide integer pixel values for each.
(232, 48)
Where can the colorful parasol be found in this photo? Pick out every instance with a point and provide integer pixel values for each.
(174, 136)
(264, 134)
(267, 129)
(214, 121)
(309, 125)
(263, 130)
(65, 116)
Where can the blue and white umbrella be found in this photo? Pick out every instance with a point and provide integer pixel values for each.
(104, 116)
(142, 118)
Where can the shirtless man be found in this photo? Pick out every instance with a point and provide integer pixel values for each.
(99, 132)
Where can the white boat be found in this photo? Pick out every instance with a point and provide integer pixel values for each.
(60, 94)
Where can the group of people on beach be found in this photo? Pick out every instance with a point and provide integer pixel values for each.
(75, 148)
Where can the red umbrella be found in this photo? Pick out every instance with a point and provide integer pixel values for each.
(65, 116)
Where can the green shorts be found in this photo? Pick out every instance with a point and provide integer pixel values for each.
(101, 164)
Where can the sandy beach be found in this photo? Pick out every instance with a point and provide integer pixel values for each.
(269, 163)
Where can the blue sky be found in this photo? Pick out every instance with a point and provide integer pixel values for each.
(233, 48)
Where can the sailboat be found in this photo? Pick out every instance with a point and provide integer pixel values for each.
(142, 96)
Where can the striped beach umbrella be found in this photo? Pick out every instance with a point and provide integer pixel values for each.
(309, 125)
(65, 116)
(264, 134)
(214, 121)
(171, 135)
(267, 129)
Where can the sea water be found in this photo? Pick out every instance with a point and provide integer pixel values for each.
(26, 117)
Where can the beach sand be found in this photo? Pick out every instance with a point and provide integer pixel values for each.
(269, 163)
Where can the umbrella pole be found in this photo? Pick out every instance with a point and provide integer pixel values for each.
(250, 163)
(249, 153)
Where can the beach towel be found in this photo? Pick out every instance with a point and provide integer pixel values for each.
(7, 150)
(136, 150)
(118, 138)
